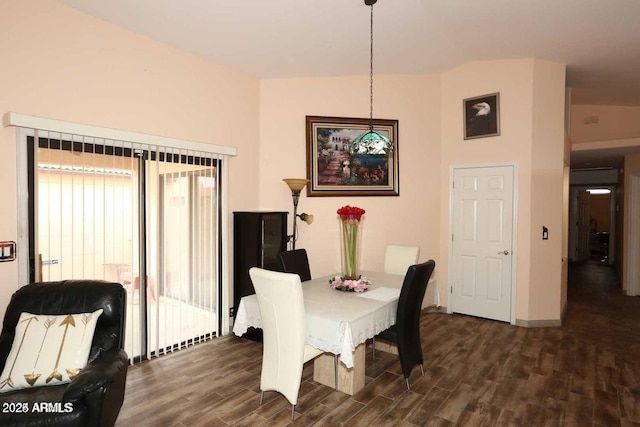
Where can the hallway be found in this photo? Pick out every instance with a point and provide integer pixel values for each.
(597, 311)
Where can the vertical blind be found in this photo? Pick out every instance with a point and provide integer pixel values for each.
(148, 216)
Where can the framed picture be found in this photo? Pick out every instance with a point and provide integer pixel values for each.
(334, 169)
(482, 116)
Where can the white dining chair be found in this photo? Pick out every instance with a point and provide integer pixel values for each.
(397, 258)
(283, 324)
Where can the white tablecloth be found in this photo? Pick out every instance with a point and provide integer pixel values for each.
(336, 321)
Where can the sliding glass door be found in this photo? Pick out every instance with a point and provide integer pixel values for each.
(181, 250)
(147, 217)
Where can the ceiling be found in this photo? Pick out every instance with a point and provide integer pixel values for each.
(598, 40)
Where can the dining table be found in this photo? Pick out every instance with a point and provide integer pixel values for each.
(338, 322)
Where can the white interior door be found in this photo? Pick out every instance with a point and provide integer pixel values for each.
(482, 241)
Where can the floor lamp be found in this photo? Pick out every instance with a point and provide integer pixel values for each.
(296, 185)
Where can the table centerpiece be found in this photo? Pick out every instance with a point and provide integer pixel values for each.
(360, 284)
(350, 280)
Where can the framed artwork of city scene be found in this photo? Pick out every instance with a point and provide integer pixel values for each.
(482, 116)
(334, 168)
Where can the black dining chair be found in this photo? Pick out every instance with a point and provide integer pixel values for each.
(295, 261)
(406, 332)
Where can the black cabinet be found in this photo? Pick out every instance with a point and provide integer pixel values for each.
(258, 237)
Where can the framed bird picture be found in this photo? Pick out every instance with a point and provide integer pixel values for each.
(482, 116)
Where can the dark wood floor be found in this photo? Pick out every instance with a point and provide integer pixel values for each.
(477, 373)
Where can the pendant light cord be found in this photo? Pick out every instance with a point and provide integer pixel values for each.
(371, 76)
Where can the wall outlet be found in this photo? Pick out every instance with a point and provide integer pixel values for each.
(7, 251)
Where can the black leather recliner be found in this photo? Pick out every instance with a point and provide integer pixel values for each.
(97, 392)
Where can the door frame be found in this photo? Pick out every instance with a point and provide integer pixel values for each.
(573, 213)
(23, 208)
(632, 271)
(514, 231)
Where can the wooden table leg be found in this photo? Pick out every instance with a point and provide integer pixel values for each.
(350, 380)
(387, 347)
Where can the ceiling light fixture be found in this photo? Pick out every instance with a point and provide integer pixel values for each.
(598, 191)
(371, 142)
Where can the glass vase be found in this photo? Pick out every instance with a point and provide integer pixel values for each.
(350, 249)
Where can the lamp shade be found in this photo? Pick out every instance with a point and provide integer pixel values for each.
(308, 218)
(296, 184)
(371, 142)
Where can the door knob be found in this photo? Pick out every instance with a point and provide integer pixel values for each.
(505, 252)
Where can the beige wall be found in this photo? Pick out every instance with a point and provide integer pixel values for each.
(62, 64)
(547, 204)
(614, 122)
(532, 138)
(410, 219)
(513, 79)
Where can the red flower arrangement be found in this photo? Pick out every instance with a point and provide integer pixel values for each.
(350, 217)
(351, 212)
